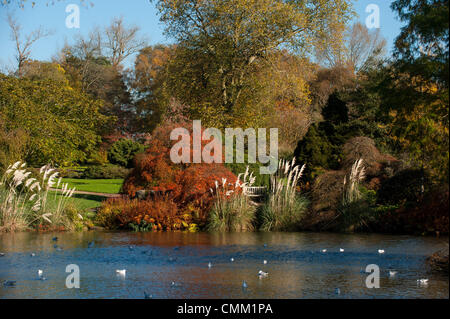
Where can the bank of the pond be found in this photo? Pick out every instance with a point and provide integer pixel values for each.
(439, 260)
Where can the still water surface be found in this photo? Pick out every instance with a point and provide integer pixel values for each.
(175, 265)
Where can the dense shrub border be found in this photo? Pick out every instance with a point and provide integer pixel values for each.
(143, 215)
(105, 172)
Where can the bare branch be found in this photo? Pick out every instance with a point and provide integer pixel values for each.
(24, 44)
(121, 42)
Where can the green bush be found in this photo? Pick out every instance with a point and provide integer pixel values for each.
(70, 173)
(63, 123)
(123, 151)
(98, 157)
(105, 172)
(344, 117)
(317, 151)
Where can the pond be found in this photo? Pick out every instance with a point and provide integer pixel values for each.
(175, 265)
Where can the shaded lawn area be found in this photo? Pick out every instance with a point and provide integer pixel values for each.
(108, 186)
(81, 201)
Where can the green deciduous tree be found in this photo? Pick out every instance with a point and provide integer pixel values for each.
(222, 43)
(148, 83)
(94, 64)
(94, 75)
(61, 122)
(13, 146)
(415, 86)
(422, 47)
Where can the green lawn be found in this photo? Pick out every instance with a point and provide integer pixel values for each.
(82, 202)
(109, 186)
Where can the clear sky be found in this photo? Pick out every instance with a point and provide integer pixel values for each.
(135, 12)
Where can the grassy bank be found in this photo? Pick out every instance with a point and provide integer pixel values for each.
(82, 202)
(108, 186)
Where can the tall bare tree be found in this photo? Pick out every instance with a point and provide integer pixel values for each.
(85, 57)
(24, 43)
(87, 47)
(360, 49)
(121, 41)
(365, 47)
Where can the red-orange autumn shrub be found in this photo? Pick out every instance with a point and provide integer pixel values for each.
(153, 169)
(188, 185)
(194, 184)
(158, 214)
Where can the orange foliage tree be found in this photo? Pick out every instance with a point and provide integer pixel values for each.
(187, 185)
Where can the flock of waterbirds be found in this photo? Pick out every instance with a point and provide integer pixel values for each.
(261, 274)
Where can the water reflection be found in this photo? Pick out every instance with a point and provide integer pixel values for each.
(175, 265)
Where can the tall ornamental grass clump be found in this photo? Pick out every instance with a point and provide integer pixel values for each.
(351, 191)
(356, 211)
(25, 201)
(232, 209)
(284, 208)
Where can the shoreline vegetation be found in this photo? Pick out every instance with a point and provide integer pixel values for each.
(439, 261)
(220, 205)
(363, 136)
(26, 200)
(29, 204)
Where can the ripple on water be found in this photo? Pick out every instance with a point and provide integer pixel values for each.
(296, 264)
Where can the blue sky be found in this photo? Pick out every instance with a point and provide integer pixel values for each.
(135, 12)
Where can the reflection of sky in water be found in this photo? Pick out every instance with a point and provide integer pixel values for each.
(297, 268)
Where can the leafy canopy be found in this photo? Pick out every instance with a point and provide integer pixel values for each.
(123, 152)
(221, 44)
(61, 122)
